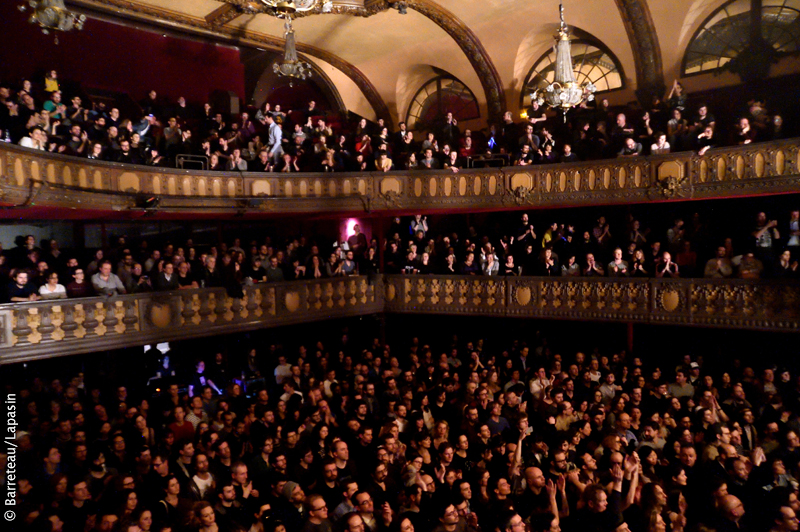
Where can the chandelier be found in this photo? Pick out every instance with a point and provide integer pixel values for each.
(291, 66)
(564, 93)
(52, 15)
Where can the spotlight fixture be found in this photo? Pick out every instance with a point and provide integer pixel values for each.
(147, 202)
(401, 7)
(327, 7)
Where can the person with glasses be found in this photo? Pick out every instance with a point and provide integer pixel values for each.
(512, 522)
(785, 520)
(317, 515)
(362, 500)
(448, 518)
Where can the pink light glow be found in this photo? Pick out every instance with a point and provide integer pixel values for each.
(351, 222)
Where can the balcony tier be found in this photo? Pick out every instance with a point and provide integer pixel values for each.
(46, 329)
(37, 184)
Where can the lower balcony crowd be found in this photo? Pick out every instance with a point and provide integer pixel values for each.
(701, 245)
(270, 139)
(354, 435)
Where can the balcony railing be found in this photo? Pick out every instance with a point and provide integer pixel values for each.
(46, 329)
(741, 304)
(60, 181)
(68, 326)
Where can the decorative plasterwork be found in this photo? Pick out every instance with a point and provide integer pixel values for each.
(83, 186)
(357, 8)
(171, 19)
(45, 329)
(645, 47)
(222, 15)
(472, 48)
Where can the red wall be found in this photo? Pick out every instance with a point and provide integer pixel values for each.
(115, 57)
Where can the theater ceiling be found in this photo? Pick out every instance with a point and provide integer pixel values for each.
(490, 45)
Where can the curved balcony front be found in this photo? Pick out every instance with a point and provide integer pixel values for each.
(33, 180)
(45, 329)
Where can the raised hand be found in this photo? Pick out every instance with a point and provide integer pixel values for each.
(617, 473)
(551, 488)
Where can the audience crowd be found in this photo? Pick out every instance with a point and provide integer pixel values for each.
(691, 248)
(356, 435)
(269, 139)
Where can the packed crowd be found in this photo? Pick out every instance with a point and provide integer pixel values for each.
(690, 248)
(356, 435)
(273, 140)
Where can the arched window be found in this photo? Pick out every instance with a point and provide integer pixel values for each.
(591, 62)
(439, 96)
(726, 33)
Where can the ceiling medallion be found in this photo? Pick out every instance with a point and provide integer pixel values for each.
(564, 93)
(52, 15)
(276, 8)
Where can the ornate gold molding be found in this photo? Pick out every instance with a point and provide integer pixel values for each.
(60, 181)
(758, 305)
(222, 15)
(30, 331)
(646, 49)
(359, 8)
(45, 329)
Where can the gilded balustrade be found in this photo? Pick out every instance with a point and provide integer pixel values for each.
(57, 180)
(45, 329)
(49, 328)
(759, 305)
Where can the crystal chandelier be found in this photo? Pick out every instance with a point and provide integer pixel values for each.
(52, 15)
(291, 66)
(564, 93)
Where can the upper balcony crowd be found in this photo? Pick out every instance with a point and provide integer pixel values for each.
(270, 139)
(702, 245)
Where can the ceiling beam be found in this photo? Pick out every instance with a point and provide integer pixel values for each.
(222, 15)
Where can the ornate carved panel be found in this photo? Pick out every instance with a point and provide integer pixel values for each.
(735, 303)
(51, 328)
(646, 50)
(60, 181)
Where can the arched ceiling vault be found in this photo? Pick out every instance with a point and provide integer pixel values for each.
(171, 19)
(362, 53)
(472, 47)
